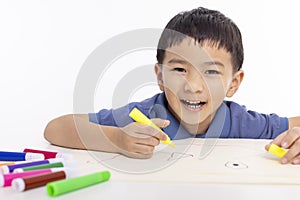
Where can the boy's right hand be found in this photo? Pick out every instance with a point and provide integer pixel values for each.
(138, 140)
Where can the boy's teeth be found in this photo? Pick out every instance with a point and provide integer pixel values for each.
(193, 102)
(194, 106)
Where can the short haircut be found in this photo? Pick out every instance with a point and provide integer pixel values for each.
(205, 26)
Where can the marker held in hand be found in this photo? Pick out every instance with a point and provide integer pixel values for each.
(138, 116)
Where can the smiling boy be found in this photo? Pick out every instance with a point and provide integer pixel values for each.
(199, 60)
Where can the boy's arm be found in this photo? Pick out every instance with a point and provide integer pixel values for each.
(75, 131)
(290, 139)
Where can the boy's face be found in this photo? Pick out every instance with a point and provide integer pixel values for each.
(196, 79)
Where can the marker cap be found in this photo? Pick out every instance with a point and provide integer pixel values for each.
(34, 156)
(64, 156)
(18, 170)
(18, 185)
(4, 170)
(69, 172)
(55, 160)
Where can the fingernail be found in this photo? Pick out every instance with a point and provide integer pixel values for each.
(284, 160)
(284, 144)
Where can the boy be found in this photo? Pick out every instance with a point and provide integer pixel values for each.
(200, 55)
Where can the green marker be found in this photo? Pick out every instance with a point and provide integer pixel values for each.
(68, 185)
(62, 163)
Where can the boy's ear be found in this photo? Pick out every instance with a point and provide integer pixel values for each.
(235, 83)
(158, 72)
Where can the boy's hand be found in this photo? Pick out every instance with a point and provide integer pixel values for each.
(139, 140)
(289, 139)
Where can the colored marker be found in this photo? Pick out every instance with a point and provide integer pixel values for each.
(63, 163)
(7, 163)
(26, 183)
(49, 154)
(64, 186)
(20, 156)
(277, 151)
(6, 179)
(12, 163)
(138, 116)
(11, 168)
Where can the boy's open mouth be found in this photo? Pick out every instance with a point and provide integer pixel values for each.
(193, 105)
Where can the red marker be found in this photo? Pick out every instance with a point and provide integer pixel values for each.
(26, 183)
(48, 154)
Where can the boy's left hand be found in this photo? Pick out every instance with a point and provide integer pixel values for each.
(289, 139)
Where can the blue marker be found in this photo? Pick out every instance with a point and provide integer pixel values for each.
(20, 156)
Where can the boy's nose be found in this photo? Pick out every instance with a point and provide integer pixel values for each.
(194, 83)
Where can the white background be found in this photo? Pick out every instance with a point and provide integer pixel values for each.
(43, 45)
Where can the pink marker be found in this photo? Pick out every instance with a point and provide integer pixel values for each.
(48, 154)
(6, 179)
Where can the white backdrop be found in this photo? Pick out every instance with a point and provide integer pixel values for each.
(43, 45)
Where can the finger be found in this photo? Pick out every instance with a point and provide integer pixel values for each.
(147, 131)
(139, 130)
(292, 153)
(277, 140)
(136, 155)
(142, 149)
(150, 141)
(133, 150)
(292, 136)
(296, 160)
(162, 123)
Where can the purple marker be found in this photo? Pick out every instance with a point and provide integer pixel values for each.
(20, 156)
(10, 168)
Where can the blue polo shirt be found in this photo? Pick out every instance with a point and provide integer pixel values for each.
(230, 121)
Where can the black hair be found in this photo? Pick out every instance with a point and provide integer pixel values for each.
(203, 25)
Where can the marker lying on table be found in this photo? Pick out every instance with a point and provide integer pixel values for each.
(20, 156)
(63, 186)
(7, 163)
(276, 150)
(138, 116)
(26, 183)
(63, 163)
(49, 154)
(6, 179)
(11, 168)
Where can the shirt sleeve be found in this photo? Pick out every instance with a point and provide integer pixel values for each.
(251, 124)
(119, 117)
(113, 117)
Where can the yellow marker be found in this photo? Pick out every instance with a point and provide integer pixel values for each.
(277, 151)
(138, 116)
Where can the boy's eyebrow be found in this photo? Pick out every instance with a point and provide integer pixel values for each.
(184, 62)
(179, 61)
(214, 63)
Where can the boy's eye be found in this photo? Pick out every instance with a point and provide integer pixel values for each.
(212, 72)
(179, 69)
